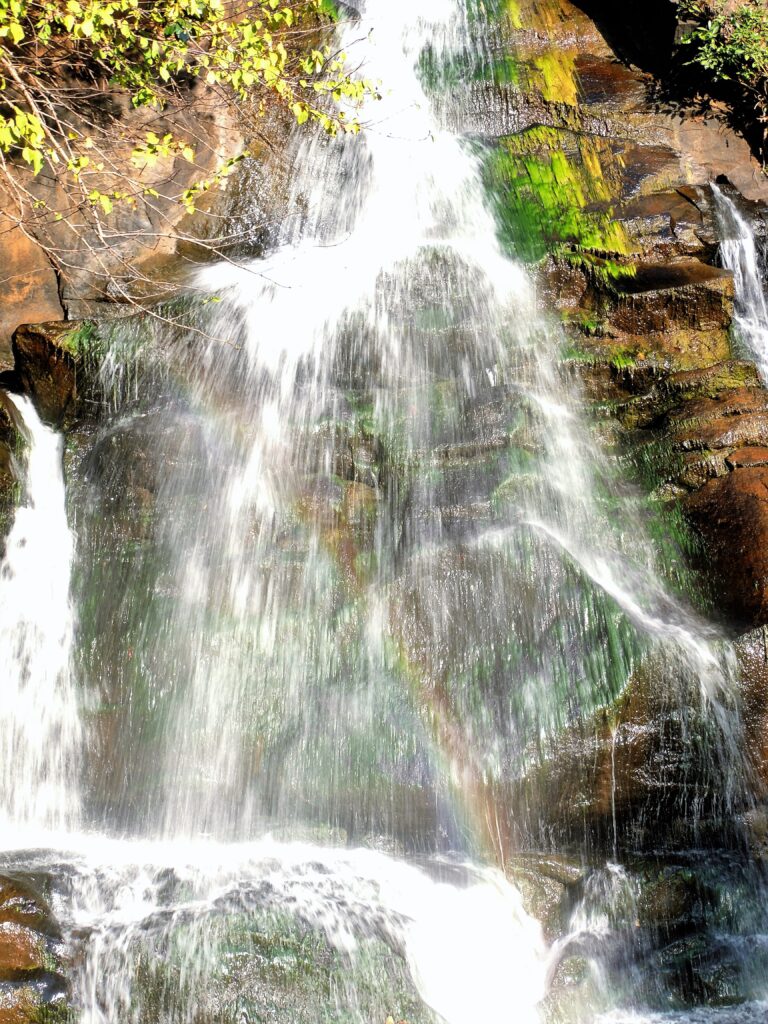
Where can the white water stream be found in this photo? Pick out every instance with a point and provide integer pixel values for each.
(40, 725)
(738, 253)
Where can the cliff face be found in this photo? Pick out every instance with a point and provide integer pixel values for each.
(88, 263)
(655, 37)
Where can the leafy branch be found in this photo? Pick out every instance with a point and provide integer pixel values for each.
(94, 96)
(731, 43)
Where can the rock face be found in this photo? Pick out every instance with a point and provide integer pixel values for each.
(31, 293)
(31, 984)
(731, 513)
(611, 197)
(49, 367)
(607, 194)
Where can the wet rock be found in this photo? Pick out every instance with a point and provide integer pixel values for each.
(699, 969)
(730, 514)
(700, 467)
(733, 420)
(564, 284)
(8, 484)
(544, 882)
(18, 1005)
(652, 392)
(752, 652)
(746, 457)
(47, 357)
(622, 778)
(31, 985)
(21, 904)
(670, 224)
(683, 315)
(20, 950)
(672, 900)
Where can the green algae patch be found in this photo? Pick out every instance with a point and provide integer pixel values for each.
(554, 75)
(513, 13)
(552, 187)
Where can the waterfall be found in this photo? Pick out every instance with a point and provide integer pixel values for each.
(40, 728)
(738, 253)
(350, 565)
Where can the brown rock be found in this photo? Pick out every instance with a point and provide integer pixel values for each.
(21, 949)
(731, 515)
(30, 983)
(46, 363)
(698, 468)
(752, 652)
(710, 381)
(748, 429)
(22, 904)
(689, 296)
(746, 457)
(19, 1005)
(628, 765)
(30, 286)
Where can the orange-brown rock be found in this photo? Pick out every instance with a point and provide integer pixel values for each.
(689, 296)
(19, 1005)
(22, 904)
(735, 419)
(21, 949)
(745, 457)
(31, 987)
(30, 286)
(730, 513)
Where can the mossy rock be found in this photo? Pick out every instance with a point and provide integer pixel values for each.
(53, 362)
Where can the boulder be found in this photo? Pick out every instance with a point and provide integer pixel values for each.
(32, 987)
(47, 358)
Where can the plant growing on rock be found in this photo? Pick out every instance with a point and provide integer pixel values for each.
(731, 42)
(97, 100)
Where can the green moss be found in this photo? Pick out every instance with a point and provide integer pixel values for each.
(554, 74)
(653, 465)
(439, 73)
(549, 190)
(496, 10)
(624, 359)
(81, 341)
(603, 271)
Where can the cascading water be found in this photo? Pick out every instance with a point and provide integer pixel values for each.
(40, 728)
(738, 252)
(347, 565)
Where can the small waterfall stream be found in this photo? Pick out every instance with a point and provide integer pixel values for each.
(738, 253)
(348, 563)
(40, 728)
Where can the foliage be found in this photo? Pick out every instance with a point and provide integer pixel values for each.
(731, 43)
(70, 71)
